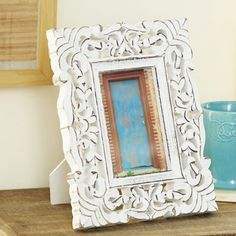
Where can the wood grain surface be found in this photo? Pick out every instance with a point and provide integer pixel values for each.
(28, 212)
(37, 16)
(19, 28)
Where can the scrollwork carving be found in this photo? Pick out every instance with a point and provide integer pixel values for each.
(94, 202)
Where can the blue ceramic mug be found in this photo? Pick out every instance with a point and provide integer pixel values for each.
(220, 146)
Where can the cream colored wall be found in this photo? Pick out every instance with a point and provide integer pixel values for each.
(30, 139)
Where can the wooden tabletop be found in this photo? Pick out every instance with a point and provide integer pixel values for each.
(28, 212)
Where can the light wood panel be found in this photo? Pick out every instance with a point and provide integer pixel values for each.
(19, 30)
(47, 19)
(28, 212)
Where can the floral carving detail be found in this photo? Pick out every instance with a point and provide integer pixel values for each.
(93, 202)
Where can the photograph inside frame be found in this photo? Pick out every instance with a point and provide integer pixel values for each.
(133, 122)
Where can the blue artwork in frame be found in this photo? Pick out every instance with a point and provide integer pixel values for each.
(132, 122)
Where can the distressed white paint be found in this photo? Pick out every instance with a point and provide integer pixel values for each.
(94, 202)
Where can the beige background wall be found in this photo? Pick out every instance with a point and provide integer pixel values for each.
(30, 142)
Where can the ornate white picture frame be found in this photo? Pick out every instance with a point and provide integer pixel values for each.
(99, 197)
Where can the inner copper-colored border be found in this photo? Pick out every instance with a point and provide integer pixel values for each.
(151, 115)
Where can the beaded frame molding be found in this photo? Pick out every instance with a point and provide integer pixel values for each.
(98, 198)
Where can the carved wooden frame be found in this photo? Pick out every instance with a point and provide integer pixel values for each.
(98, 199)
